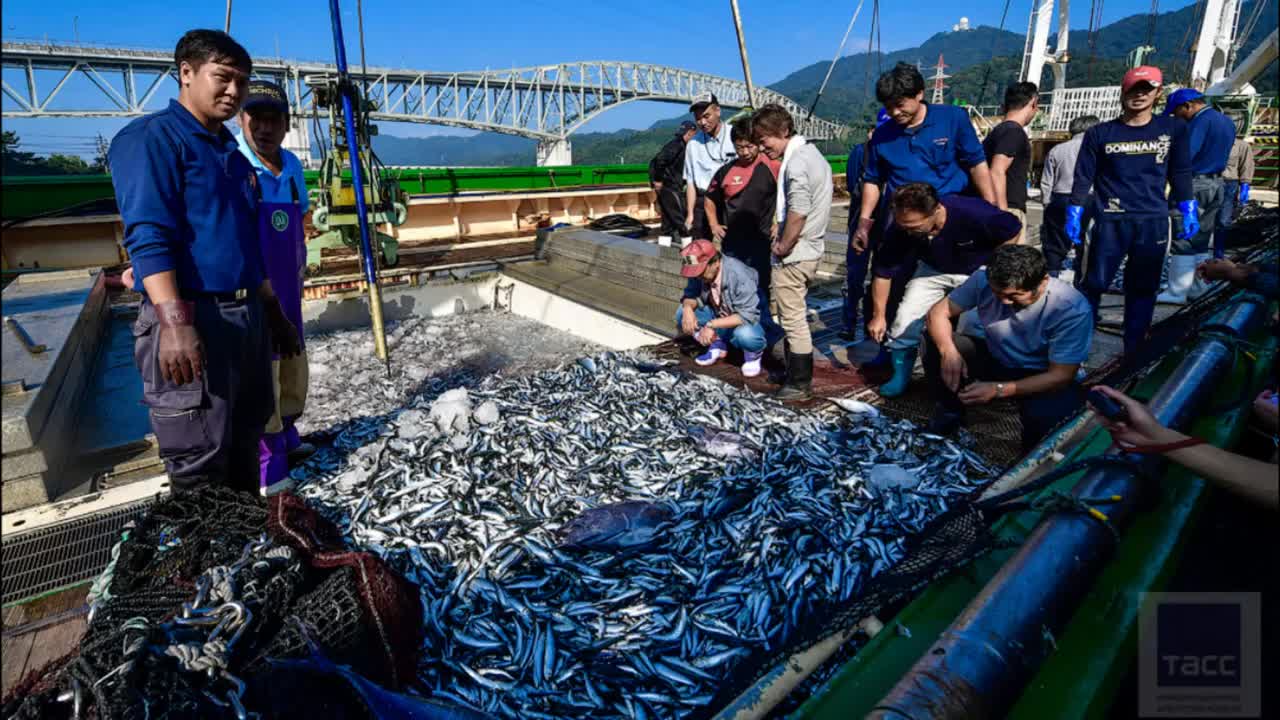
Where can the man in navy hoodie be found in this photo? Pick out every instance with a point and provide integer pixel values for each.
(1126, 163)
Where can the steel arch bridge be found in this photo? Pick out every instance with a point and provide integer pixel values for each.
(547, 103)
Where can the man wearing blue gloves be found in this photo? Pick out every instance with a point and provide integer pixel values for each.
(1236, 178)
(1210, 135)
(1126, 163)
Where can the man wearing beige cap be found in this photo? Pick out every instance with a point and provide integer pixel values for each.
(709, 149)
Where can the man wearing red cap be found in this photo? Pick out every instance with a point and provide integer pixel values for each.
(1126, 162)
(722, 305)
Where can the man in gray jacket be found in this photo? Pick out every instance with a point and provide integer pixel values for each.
(723, 305)
(803, 210)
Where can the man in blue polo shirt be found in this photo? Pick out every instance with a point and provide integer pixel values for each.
(209, 318)
(934, 144)
(1210, 135)
(282, 202)
(1127, 162)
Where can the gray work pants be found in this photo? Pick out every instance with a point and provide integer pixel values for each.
(1207, 190)
(208, 429)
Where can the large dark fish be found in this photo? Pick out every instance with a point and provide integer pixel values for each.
(618, 526)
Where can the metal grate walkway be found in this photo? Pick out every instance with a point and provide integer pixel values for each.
(66, 554)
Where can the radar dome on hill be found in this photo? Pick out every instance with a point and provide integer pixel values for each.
(962, 25)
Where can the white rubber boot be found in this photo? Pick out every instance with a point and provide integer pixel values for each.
(1182, 272)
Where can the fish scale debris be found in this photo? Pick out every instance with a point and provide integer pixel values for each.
(526, 618)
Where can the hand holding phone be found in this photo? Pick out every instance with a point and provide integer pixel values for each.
(1105, 406)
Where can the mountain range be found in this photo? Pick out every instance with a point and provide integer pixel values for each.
(982, 61)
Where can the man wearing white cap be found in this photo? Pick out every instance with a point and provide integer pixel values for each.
(709, 149)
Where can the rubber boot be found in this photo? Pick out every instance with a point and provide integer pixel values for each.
(1198, 285)
(904, 361)
(799, 378)
(1182, 272)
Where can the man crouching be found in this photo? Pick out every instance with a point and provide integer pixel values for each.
(722, 305)
(1035, 332)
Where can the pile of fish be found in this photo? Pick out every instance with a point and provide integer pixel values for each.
(617, 537)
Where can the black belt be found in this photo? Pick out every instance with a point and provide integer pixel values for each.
(230, 296)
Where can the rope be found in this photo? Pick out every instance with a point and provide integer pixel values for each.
(998, 502)
(832, 66)
(199, 657)
(1095, 24)
(100, 590)
(991, 58)
(1151, 22)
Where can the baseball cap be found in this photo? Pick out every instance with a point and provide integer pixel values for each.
(1142, 73)
(685, 127)
(701, 101)
(264, 94)
(1181, 97)
(694, 258)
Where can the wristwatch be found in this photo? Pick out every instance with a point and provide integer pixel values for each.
(999, 390)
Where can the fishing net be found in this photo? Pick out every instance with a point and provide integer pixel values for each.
(950, 541)
(207, 588)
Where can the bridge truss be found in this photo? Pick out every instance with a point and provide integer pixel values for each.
(547, 103)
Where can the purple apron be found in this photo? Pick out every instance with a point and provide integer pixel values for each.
(284, 253)
(284, 256)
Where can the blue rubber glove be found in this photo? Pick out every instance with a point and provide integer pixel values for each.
(1244, 193)
(1074, 215)
(1190, 210)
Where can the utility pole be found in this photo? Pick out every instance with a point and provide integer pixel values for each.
(75, 26)
(938, 85)
(227, 26)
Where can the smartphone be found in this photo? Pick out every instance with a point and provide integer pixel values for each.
(1106, 406)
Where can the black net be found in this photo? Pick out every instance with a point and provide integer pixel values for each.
(202, 595)
(950, 541)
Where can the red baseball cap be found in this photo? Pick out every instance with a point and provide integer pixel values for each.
(1142, 73)
(694, 258)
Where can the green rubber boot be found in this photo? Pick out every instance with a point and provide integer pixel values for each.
(904, 361)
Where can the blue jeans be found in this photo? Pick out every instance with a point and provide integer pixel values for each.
(1226, 216)
(748, 337)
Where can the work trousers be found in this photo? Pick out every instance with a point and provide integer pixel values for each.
(855, 284)
(1226, 216)
(1140, 244)
(208, 430)
(671, 208)
(790, 288)
(1039, 413)
(1207, 190)
(289, 380)
(747, 337)
(701, 228)
(926, 287)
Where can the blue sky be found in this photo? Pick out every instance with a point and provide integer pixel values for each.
(782, 36)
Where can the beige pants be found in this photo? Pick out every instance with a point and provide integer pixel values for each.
(289, 377)
(788, 286)
(1022, 218)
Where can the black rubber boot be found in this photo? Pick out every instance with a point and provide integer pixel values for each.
(799, 378)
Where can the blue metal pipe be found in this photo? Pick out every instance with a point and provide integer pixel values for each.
(348, 115)
(981, 663)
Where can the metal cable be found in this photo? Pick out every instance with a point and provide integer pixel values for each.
(832, 67)
(991, 57)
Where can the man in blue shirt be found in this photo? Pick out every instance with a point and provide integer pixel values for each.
(934, 144)
(1210, 135)
(938, 243)
(282, 202)
(1035, 333)
(1126, 162)
(209, 318)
